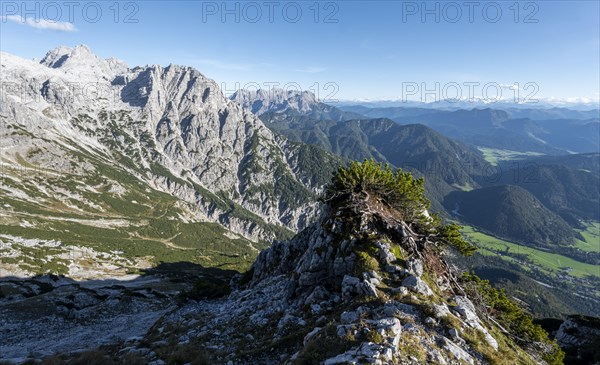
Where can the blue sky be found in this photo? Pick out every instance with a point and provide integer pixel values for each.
(349, 50)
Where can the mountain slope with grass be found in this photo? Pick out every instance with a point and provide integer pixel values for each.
(145, 163)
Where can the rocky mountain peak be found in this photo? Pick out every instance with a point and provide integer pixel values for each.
(59, 56)
(261, 101)
(81, 58)
(280, 104)
(171, 127)
(344, 246)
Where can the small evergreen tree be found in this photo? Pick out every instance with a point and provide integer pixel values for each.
(512, 317)
(397, 189)
(400, 191)
(450, 235)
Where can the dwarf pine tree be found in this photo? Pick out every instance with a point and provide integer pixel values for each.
(400, 191)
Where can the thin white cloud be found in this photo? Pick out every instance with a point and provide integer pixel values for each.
(514, 87)
(311, 70)
(43, 23)
(221, 65)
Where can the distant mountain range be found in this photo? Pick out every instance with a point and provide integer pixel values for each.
(276, 100)
(548, 131)
(580, 104)
(559, 191)
(514, 112)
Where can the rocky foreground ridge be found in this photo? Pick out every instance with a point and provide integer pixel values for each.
(362, 285)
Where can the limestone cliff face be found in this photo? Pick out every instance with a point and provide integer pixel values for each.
(176, 129)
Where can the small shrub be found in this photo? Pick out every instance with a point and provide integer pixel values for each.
(365, 262)
(398, 189)
(374, 336)
(451, 235)
(512, 317)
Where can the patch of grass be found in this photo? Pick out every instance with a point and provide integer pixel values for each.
(410, 346)
(164, 240)
(374, 336)
(397, 251)
(324, 345)
(365, 262)
(495, 155)
(451, 321)
(24, 163)
(591, 235)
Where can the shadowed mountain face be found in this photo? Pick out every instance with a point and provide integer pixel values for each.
(571, 192)
(589, 162)
(571, 135)
(579, 336)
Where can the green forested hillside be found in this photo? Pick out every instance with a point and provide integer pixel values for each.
(511, 212)
(446, 164)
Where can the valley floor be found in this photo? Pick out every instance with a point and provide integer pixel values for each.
(560, 275)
